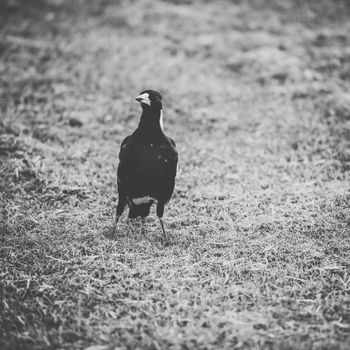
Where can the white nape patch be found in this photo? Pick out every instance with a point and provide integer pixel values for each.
(143, 200)
(161, 119)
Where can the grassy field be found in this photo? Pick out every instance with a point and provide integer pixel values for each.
(257, 97)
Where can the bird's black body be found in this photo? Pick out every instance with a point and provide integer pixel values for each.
(148, 163)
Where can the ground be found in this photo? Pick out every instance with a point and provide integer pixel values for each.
(257, 97)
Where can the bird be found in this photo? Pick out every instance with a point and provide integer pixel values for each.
(147, 164)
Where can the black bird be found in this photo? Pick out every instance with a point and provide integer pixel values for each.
(147, 163)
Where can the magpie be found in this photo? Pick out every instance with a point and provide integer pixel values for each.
(147, 164)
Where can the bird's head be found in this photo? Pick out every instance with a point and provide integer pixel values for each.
(150, 99)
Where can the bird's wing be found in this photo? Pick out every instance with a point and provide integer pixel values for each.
(123, 156)
(172, 142)
(124, 143)
(175, 158)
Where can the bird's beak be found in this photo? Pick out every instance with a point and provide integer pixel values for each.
(144, 98)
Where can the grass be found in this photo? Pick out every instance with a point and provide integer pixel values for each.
(257, 98)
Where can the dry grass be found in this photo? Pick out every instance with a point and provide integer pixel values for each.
(257, 98)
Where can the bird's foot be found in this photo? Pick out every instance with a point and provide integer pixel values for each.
(115, 225)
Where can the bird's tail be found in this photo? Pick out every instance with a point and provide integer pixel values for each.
(139, 210)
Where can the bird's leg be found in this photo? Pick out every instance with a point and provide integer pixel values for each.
(119, 211)
(115, 223)
(143, 221)
(160, 212)
(166, 237)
